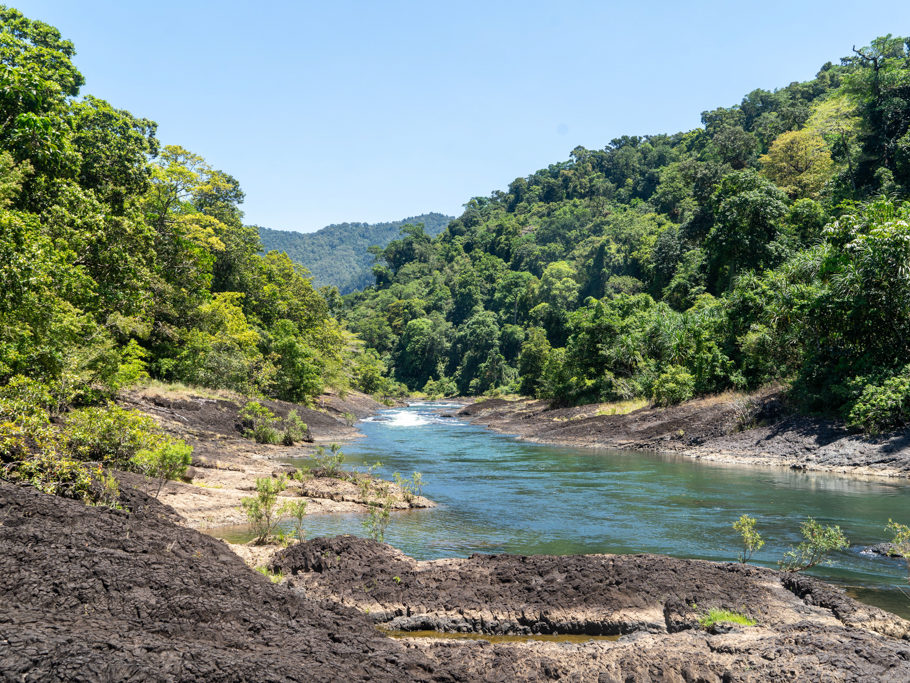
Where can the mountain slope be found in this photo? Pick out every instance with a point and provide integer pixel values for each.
(337, 254)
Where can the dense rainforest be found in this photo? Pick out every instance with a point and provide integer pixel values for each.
(122, 259)
(771, 244)
(339, 255)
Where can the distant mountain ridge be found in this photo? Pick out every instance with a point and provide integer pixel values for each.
(337, 254)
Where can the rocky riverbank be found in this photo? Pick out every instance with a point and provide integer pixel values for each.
(92, 593)
(755, 430)
(226, 464)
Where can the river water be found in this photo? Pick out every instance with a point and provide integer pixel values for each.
(497, 494)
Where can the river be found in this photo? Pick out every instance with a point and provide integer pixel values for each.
(497, 494)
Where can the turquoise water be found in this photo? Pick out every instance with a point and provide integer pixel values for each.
(497, 494)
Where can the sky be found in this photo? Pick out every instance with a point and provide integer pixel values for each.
(376, 110)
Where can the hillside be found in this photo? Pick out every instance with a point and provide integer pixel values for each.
(337, 254)
(768, 245)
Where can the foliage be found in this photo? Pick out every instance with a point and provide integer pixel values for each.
(108, 434)
(294, 429)
(882, 406)
(168, 459)
(900, 541)
(263, 511)
(672, 386)
(752, 540)
(696, 262)
(261, 423)
(723, 616)
(820, 542)
(380, 515)
(328, 464)
(297, 511)
(338, 255)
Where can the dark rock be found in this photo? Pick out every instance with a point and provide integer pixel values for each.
(883, 549)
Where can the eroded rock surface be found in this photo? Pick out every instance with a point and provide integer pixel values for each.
(804, 627)
(89, 593)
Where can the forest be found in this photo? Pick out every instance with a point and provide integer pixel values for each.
(123, 260)
(339, 255)
(770, 245)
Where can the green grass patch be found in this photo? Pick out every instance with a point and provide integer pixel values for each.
(723, 616)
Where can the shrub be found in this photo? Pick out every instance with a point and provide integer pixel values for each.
(752, 540)
(262, 510)
(673, 386)
(883, 405)
(166, 460)
(405, 485)
(380, 515)
(820, 541)
(329, 464)
(900, 541)
(108, 434)
(54, 475)
(260, 423)
(438, 388)
(297, 510)
(417, 482)
(24, 418)
(294, 429)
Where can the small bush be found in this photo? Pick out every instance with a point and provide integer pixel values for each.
(820, 542)
(900, 541)
(108, 434)
(297, 510)
(54, 475)
(752, 540)
(260, 423)
(673, 386)
(407, 492)
(882, 405)
(167, 460)
(262, 511)
(380, 515)
(294, 429)
(417, 482)
(329, 464)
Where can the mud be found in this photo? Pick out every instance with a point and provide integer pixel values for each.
(744, 430)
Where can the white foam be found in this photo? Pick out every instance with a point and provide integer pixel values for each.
(406, 418)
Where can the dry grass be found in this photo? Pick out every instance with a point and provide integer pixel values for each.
(622, 407)
(176, 390)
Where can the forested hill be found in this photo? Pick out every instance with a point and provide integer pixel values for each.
(337, 254)
(771, 244)
(123, 258)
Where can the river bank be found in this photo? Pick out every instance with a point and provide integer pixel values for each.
(226, 464)
(100, 594)
(754, 430)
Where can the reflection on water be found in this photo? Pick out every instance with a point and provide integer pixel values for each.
(497, 494)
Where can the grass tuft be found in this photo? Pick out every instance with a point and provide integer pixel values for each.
(723, 616)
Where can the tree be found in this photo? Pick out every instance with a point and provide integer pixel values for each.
(747, 211)
(799, 162)
(422, 350)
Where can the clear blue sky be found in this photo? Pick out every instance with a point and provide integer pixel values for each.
(376, 110)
